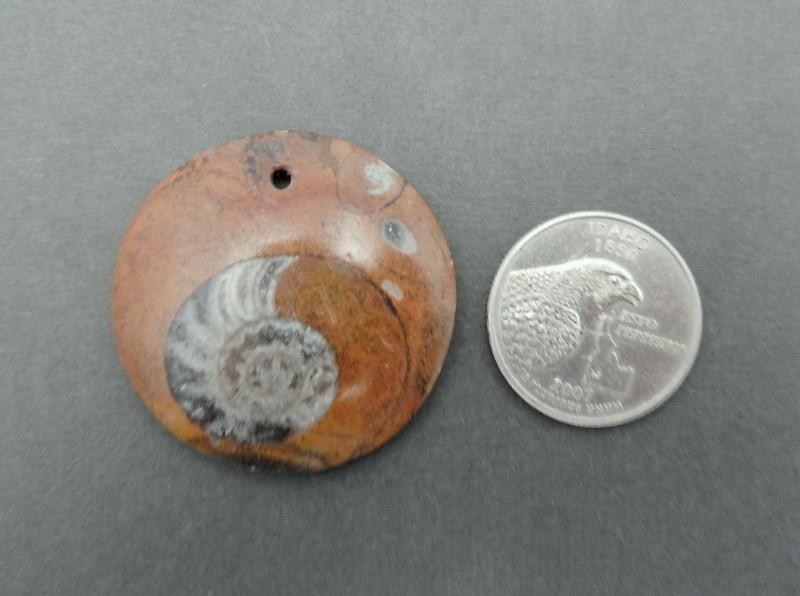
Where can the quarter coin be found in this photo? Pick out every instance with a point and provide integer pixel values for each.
(594, 319)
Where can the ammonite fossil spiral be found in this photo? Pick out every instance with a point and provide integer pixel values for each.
(286, 299)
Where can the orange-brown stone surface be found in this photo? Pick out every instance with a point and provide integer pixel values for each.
(368, 269)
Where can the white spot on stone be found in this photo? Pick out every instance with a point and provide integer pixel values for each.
(381, 176)
(392, 289)
(353, 391)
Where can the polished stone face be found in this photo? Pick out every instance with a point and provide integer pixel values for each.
(286, 298)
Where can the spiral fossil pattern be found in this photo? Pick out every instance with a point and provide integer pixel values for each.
(239, 369)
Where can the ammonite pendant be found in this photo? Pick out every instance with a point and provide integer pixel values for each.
(286, 298)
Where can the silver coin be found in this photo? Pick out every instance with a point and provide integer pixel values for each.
(594, 319)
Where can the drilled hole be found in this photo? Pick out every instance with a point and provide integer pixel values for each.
(281, 178)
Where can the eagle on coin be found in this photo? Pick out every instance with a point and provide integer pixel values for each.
(545, 312)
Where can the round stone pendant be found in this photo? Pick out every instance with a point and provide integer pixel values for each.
(285, 299)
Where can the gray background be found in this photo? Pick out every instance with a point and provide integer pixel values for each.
(683, 114)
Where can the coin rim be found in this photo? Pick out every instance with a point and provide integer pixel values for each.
(605, 421)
